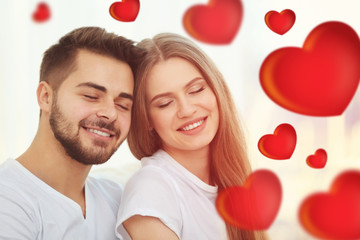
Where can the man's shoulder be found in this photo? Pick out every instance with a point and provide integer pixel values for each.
(7, 165)
(105, 187)
(10, 174)
(102, 182)
(16, 197)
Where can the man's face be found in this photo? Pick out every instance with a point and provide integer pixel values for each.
(91, 110)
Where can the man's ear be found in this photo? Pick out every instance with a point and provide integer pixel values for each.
(45, 96)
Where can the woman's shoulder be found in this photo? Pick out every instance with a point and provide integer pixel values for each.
(156, 166)
(154, 176)
(149, 175)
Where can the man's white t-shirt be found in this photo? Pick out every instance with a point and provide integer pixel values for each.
(164, 189)
(31, 209)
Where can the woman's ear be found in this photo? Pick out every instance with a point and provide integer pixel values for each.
(150, 124)
(45, 95)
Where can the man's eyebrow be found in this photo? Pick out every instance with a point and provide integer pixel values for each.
(126, 95)
(93, 85)
(104, 90)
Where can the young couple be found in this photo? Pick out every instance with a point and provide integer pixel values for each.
(184, 128)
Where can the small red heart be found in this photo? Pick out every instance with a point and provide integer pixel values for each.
(319, 79)
(280, 22)
(125, 11)
(42, 13)
(279, 145)
(336, 214)
(318, 160)
(254, 205)
(215, 23)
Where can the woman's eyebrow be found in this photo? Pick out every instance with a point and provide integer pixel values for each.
(168, 94)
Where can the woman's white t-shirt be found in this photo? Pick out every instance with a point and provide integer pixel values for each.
(164, 189)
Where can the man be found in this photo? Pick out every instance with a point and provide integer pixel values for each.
(85, 97)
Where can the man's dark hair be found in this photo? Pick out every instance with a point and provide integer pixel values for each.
(60, 59)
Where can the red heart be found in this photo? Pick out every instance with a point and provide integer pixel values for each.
(336, 214)
(216, 23)
(279, 145)
(318, 160)
(125, 11)
(280, 22)
(42, 13)
(254, 205)
(319, 79)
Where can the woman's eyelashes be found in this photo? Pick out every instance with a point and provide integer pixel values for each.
(197, 90)
(191, 91)
(163, 105)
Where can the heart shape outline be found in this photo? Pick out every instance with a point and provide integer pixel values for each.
(334, 214)
(280, 23)
(318, 160)
(125, 11)
(42, 13)
(255, 204)
(281, 144)
(216, 23)
(319, 79)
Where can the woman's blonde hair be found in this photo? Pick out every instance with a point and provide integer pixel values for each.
(229, 162)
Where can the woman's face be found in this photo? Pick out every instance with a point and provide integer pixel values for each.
(182, 108)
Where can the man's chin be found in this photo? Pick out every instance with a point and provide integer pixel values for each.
(95, 152)
(92, 160)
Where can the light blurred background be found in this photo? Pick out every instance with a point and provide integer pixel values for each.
(23, 42)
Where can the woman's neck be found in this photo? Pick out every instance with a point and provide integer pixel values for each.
(195, 161)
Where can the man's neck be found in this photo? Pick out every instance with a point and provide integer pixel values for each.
(48, 161)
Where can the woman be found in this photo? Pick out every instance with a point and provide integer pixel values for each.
(187, 135)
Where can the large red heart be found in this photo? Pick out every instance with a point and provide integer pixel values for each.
(280, 22)
(318, 160)
(125, 11)
(279, 145)
(319, 79)
(336, 214)
(254, 205)
(215, 23)
(42, 13)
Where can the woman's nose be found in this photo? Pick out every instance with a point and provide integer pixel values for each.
(185, 108)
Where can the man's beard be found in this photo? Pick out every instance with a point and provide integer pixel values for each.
(71, 140)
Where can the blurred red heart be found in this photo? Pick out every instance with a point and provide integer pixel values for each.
(125, 11)
(319, 79)
(254, 205)
(279, 145)
(280, 22)
(215, 23)
(42, 13)
(336, 214)
(318, 160)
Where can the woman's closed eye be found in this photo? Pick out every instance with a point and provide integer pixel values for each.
(197, 90)
(164, 104)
